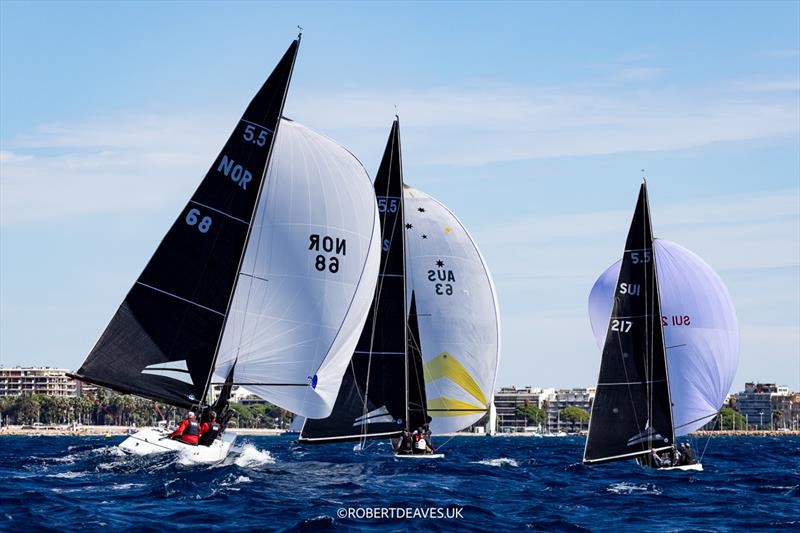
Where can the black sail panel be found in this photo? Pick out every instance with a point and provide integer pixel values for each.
(162, 341)
(417, 399)
(372, 398)
(631, 413)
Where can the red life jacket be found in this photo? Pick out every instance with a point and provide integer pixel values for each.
(191, 433)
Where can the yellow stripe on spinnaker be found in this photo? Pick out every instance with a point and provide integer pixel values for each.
(445, 365)
(451, 407)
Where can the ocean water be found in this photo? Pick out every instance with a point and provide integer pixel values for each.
(483, 484)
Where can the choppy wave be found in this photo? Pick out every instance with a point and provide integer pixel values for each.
(249, 456)
(72, 483)
(500, 461)
(633, 488)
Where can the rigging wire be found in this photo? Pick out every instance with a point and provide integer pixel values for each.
(378, 292)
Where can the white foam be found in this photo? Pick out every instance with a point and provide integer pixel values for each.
(66, 475)
(125, 486)
(250, 456)
(631, 488)
(500, 461)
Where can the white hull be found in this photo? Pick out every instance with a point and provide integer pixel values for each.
(419, 456)
(697, 467)
(152, 441)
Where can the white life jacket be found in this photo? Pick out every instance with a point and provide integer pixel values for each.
(421, 444)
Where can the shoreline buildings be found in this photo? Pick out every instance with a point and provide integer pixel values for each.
(764, 405)
(767, 406)
(552, 401)
(37, 380)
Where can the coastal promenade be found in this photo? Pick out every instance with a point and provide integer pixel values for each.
(65, 430)
(94, 431)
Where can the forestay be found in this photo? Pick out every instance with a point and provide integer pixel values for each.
(308, 275)
(700, 331)
(457, 313)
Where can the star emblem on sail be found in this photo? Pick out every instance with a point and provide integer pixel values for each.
(176, 370)
(446, 366)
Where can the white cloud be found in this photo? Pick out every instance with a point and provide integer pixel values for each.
(105, 165)
(133, 162)
(481, 124)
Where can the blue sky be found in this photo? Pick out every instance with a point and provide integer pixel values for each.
(531, 121)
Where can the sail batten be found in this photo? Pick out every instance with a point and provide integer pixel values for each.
(176, 310)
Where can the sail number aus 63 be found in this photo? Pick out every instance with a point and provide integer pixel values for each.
(329, 249)
(443, 280)
(193, 219)
(623, 326)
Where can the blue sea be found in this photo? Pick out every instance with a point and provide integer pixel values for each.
(483, 484)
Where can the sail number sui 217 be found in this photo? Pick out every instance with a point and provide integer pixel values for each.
(328, 251)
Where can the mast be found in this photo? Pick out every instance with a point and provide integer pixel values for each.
(373, 401)
(163, 340)
(631, 413)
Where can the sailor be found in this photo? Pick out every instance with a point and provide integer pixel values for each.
(210, 431)
(688, 452)
(427, 434)
(421, 445)
(655, 459)
(677, 457)
(665, 460)
(188, 430)
(406, 445)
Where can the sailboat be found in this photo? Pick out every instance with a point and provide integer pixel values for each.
(431, 362)
(668, 330)
(263, 281)
(376, 399)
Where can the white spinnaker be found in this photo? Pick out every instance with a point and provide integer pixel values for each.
(295, 318)
(701, 333)
(457, 310)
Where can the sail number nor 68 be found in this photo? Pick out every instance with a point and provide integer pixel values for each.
(330, 248)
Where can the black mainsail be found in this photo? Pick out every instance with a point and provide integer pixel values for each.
(372, 400)
(632, 413)
(162, 341)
